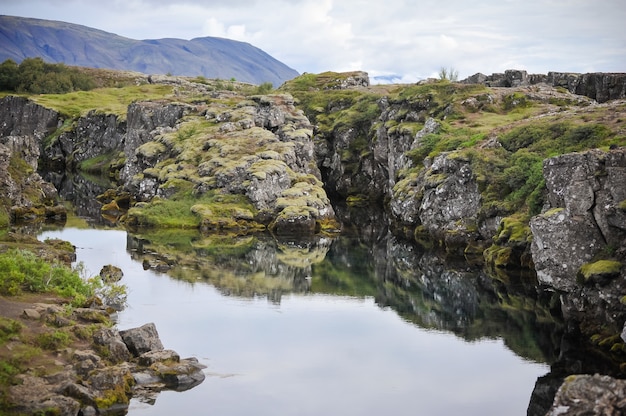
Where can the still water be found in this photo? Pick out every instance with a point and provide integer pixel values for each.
(331, 327)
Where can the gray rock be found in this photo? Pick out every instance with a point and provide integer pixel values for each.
(583, 218)
(141, 340)
(151, 357)
(31, 314)
(110, 273)
(112, 341)
(601, 87)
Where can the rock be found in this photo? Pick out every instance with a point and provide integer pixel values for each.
(141, 340)
(574, 237)
(151, 357)
(589, 395)
(584, 190)
(601, 87)
(33, 396)
(110, 273)
(86, 361)
(112, 341)
(181, 376)
(31, 314)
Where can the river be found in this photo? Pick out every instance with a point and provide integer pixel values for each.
(325, 326)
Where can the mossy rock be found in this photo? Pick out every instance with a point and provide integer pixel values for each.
(295, 220)
(513, 231)
(150, 150)
(622, 205)
(600, 271)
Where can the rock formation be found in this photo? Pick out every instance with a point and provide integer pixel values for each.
(23, 127)
(584, 223)
(601, 87)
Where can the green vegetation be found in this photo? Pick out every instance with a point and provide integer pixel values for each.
(34, 76)
(446, 74)
(599, 269)
(22, 271)
(212, 210)
(104, 100)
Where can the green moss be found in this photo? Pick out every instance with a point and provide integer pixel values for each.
(498, 256)
(99, 164)
(105, 100)
(53, 340)
(513, 230)
(599, 269)
(8, 328)
(150, 150)
(622, 205)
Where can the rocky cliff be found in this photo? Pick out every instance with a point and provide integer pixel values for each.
(23, 127)
(601, 87)
(579, 242)
(248, 161)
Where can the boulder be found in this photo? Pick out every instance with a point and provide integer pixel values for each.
(110, 273)
(141, 340)
(112, 341)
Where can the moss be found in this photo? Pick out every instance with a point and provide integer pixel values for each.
(150, 150)
(498, 256)
(111, 397)
(357, 200)
(422, 237)
(100, 164)
(600, 269)
(513, 230)
(622, 205)
(552, 212)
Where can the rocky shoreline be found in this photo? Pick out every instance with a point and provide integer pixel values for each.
(101, 374)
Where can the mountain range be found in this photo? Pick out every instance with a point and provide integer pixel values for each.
(73, 44)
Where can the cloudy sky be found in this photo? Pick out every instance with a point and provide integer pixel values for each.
(406, 39)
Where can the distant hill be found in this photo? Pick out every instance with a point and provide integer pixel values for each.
(73, 44)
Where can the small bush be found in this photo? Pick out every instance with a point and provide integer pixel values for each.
(53, 340)
(22, 271)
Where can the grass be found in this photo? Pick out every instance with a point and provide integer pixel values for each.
(104, 100)
(22, 271)
(186, 211)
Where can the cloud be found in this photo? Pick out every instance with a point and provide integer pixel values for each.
(408, 39)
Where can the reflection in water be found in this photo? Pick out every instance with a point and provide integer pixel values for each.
(422, 287)
(352, 326)
(359, 324)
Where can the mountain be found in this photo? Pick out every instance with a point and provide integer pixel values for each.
(74, 44)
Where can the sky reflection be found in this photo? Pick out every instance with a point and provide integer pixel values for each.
(310, 354)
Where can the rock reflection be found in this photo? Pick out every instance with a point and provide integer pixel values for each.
(423, 287)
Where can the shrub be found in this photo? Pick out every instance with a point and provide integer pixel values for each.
(22, 271)
(35, 76)
(53, 340)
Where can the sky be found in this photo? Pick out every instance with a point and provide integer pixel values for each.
(399, 40)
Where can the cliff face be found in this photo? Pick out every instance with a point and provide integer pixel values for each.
(23, 126)
(584, 221)
(601, 87)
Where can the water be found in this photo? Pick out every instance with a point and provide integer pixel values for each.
(345, 332)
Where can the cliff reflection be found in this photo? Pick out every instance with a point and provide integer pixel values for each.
(424, 288)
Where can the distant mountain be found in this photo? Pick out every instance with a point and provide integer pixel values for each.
(73, 44)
